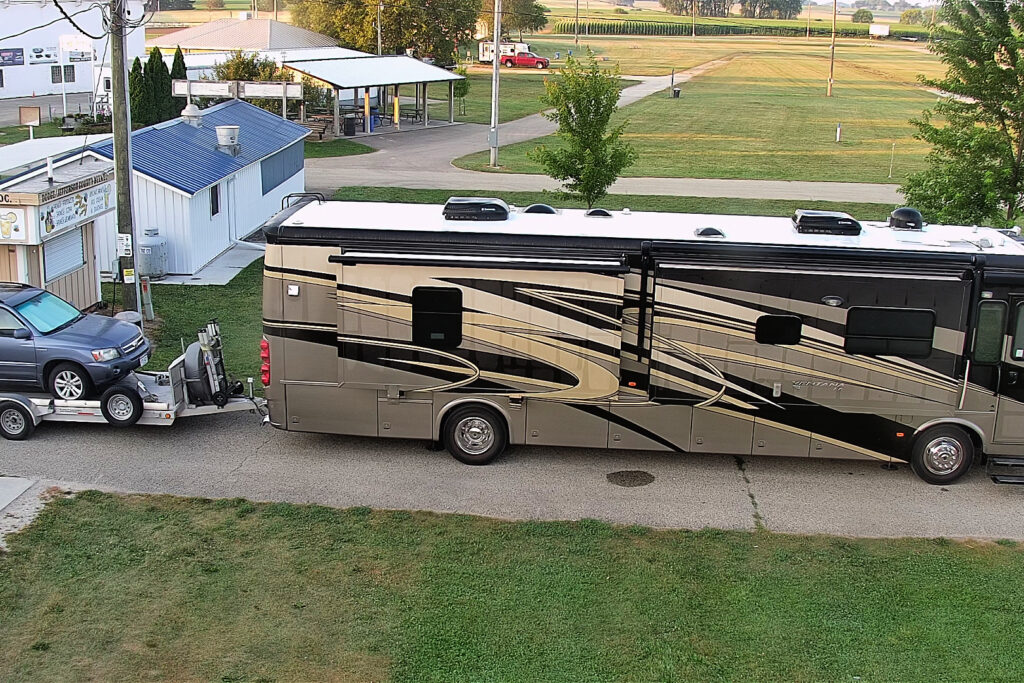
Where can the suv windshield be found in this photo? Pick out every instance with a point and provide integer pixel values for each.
(47, 312)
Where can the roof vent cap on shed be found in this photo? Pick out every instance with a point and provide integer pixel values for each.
(227, 139)
(475, 209)
(192, 115)
(906, 218)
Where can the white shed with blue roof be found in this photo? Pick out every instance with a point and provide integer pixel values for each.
(201, 194)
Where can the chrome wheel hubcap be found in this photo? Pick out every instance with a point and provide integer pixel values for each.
(943, 455)
(120, 407)
(474, 435)
(12, 421)
(68, 385)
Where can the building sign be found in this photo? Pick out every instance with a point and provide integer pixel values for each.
(12, 225)
(75, 209)
(43, 55)
(79, 55)
(12, 56)
(880, 30)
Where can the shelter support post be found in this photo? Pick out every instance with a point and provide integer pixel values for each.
(337, 113)
(451, 101)
(426, 113)
(366, 110)
(398, 109)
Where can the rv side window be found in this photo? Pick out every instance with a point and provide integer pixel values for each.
(905, 332)
(437, 317)
(778, 329)
(988, 336)
(1018, 335)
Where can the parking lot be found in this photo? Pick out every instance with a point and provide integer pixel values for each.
(233, 456)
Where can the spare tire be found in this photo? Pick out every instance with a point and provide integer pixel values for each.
(121, 406)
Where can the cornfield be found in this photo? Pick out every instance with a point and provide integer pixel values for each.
(658, 28)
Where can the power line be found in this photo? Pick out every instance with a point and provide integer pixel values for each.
(73, 23)
(51, 23)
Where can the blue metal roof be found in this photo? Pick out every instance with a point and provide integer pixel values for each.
(187, 157)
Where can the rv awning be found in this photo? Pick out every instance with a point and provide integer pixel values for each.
(365, 72)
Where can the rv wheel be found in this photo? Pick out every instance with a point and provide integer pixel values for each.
(121, 406)
(942, 454)
(16, 423)
(475, 435)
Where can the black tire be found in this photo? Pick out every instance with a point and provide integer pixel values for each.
(510, 64)
(475, 435)
(121, 406)
(220, 399)
(942, 454)
(541, 65)
(16, 423)
(64, 379)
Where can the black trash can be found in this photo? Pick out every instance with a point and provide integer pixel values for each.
(675, 93)
(348, 126)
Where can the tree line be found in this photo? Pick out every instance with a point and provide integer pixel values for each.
(752, 9)
(149, 89)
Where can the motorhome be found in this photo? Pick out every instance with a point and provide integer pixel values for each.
(480, 326)
(485, 50)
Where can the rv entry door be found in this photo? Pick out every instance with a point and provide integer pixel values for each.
(1010, 409)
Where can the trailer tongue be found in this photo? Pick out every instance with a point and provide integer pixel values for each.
(196, 383)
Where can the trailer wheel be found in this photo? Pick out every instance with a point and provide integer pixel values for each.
(474, 435)
(121, 406)
(16, 423)
(942, 454)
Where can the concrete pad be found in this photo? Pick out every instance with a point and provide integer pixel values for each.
(223, 269)
(11, 488)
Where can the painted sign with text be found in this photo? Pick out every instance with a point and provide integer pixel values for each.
(75, 209)
(12, 225)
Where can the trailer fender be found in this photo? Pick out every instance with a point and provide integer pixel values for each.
(24, 403)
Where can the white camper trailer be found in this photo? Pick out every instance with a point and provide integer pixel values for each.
(487, 50)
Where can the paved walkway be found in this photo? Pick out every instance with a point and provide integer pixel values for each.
(421, 159)
(77, 103)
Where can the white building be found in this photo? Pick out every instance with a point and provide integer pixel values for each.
(203, 197)
(34, 64)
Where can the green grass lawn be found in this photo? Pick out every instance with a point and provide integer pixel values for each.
(111, 588)
(334, 148)
(519, 96)
(11, 134)
(767, 117)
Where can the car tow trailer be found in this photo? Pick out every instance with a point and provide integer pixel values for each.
(194, 384)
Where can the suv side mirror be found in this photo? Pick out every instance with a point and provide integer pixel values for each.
(22, 333)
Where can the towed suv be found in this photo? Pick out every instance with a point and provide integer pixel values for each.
(47, 343)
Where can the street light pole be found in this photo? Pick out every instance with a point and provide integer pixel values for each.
(577, 26)
(832, 55)
(495, 73)
(380, 6)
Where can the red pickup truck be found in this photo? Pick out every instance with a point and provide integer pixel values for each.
(525, 59)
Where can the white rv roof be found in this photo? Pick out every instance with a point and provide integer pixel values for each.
(648, 225)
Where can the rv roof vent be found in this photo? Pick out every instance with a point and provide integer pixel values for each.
(708, 232)
(539, 208)
(906, 218)
(809, 222)
(598, 213)
(475, 209)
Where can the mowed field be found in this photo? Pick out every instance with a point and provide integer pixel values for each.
(765, 116)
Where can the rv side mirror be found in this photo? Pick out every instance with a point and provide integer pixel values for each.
(22, 333)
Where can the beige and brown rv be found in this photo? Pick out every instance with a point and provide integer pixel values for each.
(480, 327)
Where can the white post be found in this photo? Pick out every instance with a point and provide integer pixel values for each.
(495, 72)
(892, 158)
(451, 101)
(337, 112)
(426, 113)
(63, 85)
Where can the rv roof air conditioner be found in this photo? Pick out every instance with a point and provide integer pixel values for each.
(809, 222)
(598, 213)
(475, 209)
(539, 208)
(906, 218)
(708, 232)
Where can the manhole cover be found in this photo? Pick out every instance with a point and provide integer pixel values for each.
(631, 478)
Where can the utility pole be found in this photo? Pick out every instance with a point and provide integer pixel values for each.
(808, 19)
(122, 153)
(380, 7)
(275, 9)
(832, 55)
(577, 27)
(495, 72)
(693, 20)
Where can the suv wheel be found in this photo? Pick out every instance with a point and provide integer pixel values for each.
(69, 382)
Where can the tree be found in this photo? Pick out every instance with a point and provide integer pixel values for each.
(863, 16)
(522, 16)
(677, 7)
(434, 28)
(158, 83)
(178, 73)
(592, 156)
(140, 96)
(461, 89)
(252, 67)
(975, 170)
(911, 16)
(214, 4)
(771, 9)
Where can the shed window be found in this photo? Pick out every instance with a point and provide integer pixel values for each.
(437, 317)
(778, 329)
(281, 166)
(63, 254)
(214, 200)
(905, 332)
(988, 335)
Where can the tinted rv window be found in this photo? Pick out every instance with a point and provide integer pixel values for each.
(988, 337)
(437, 317)
(1017, 352)
(778, 329)
(905, 332)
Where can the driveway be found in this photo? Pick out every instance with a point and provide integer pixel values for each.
(78, 102)
(231, 455)
(421, 159)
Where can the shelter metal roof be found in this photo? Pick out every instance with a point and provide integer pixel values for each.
(186, 157)
(242, 34)
(29, 152)
(359, 72)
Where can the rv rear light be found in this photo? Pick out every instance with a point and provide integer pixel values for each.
(265, 374)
